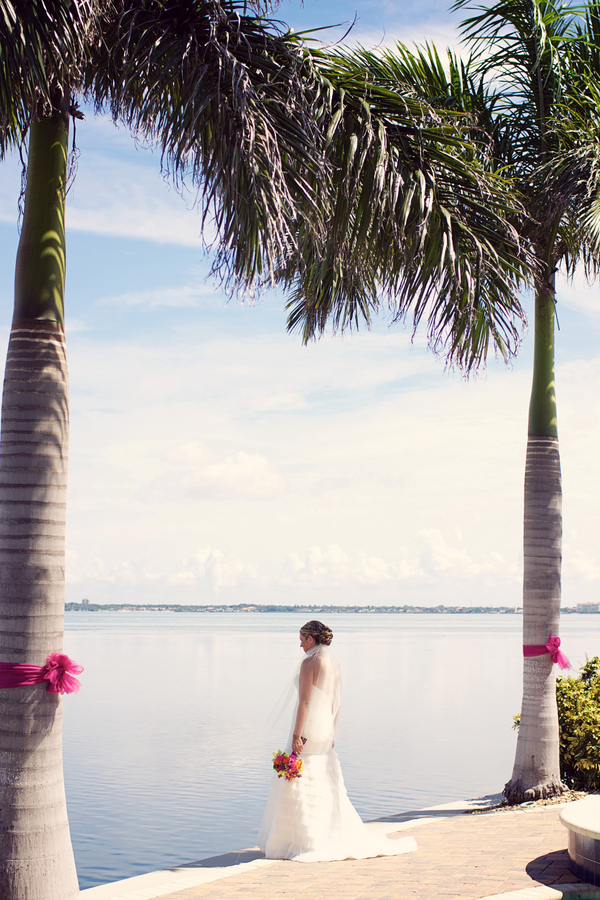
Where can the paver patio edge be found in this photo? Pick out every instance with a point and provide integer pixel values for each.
(167, 881)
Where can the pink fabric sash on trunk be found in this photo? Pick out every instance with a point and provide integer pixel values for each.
(552, 647)
(59, 672)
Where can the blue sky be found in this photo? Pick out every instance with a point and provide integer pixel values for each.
(215, 459)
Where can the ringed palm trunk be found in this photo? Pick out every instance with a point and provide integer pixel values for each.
(36, 857)
(536, 771)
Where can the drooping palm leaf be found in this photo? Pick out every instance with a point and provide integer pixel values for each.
(230, 99)
(41, 42)
(418, 220)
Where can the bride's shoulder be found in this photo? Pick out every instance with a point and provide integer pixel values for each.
(309, 661)
(312, 662)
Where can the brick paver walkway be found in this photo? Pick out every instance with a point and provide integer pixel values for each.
(459, 858)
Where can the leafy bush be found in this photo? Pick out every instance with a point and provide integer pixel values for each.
(578, 701)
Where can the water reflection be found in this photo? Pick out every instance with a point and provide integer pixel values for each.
(167, 755)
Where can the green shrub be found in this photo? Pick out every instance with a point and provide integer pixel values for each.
(578, 701)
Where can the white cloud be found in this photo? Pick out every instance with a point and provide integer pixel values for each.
(219, 569)
(10, 186)
(157, 472)
(318, 569)
(192, 470)
(185, 296)
(429, 560)
(118, 191)
(579, 565)
(133, 202)
(208, 568)
(442, 34)
(441, 558)
(241, 475)
(334, 567)
(73, 325)
(95, 569)
(578, 294)
(302, 485)
(279, 402)
(353, 466)
(193, 453)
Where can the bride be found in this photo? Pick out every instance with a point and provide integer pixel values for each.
(310, 819)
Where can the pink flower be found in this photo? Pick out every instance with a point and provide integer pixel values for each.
(287, 766)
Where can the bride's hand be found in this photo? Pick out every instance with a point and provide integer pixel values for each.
(297, 745)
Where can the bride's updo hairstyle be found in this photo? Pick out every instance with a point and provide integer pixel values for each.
(321, 633)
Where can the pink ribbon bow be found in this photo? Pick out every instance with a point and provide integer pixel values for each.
(552, 647)
(59, 672)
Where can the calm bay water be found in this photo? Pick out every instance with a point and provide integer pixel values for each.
(168, 755)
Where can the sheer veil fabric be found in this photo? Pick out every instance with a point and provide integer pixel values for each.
(311, 819)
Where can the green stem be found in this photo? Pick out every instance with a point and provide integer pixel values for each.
(542, 406)
(41, 257)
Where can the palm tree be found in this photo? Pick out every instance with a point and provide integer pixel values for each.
(547, 56)
(238, 106)
(39, 43)
(529, 94)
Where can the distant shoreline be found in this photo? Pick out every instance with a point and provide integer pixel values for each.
(271, 608)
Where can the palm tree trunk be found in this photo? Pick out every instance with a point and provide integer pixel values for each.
(36, 857)
(536, 771)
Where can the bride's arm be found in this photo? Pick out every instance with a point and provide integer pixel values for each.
(304, 693)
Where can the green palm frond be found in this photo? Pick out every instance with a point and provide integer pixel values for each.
(230, 99)
(522, 37)
(591, 223)
(505, 171)
(449, 86)
(573, 176)
(41, 42)
(523, 46)
(419, 221)
(456, 86)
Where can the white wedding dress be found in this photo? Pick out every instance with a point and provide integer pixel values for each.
(311, 819)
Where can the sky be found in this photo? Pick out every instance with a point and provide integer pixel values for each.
(214, 459)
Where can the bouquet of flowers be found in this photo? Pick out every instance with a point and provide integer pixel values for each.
(288, 765)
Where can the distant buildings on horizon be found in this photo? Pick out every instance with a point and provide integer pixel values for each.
(88, 606)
